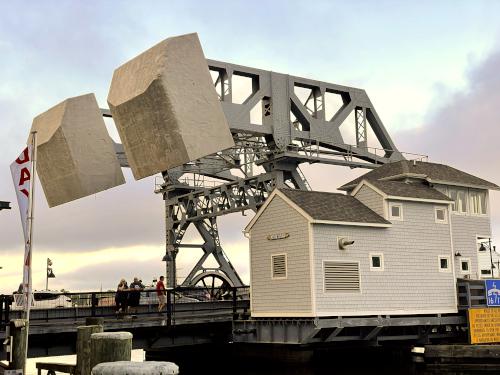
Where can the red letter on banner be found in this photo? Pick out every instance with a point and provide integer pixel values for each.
(25, 176)
(25, 158)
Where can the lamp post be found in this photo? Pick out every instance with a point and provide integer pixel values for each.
(50, 273)
(483, 248)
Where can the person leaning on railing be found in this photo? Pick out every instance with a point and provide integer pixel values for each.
(121, 296)
(134, 295)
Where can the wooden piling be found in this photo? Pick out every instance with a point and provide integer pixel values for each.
(18, 331)
(83, 348)
(110, 347)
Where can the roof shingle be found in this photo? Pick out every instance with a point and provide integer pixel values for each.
(409, 190)
(437, 173)
(333, 207)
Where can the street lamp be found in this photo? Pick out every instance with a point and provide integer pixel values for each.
(50, 274)
(483, 248)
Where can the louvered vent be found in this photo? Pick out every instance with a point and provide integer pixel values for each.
(341, 276)
(279, 266)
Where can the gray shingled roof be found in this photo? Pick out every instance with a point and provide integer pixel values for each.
(333, 207)
(409, 190)
(438, 173)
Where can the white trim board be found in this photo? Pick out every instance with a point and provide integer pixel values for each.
(385, 312)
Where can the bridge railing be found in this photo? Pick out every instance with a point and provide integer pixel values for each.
(471, 293)
(181, 303)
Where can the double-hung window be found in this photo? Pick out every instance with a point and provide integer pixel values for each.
(459, 197)
(477, 202)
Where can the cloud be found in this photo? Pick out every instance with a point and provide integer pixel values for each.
(55, 50)
(463, 130)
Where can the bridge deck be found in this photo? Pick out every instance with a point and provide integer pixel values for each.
(190, 321)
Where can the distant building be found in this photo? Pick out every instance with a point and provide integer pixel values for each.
(416, 227)
(4, 205)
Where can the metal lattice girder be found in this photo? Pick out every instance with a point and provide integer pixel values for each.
(361, 133)
(276, 92)
(369, 330)
(244, 194)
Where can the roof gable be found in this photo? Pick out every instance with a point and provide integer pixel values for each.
(432, 172)
(403, 190)
(334, 207)
(323, 207)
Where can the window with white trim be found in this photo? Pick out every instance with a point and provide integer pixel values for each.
(444, 263)
(376, 262)
(459, 197)
(341, 276)
(395, 211)
(477, 200)
(441, 215)
(278, 266)
(465, 266)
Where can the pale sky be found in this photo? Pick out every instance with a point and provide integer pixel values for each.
(431, 70)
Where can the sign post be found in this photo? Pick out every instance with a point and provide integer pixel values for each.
(23, 171)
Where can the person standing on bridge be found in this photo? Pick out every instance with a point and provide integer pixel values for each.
(134, 295)
(121, 296)
(161, 293)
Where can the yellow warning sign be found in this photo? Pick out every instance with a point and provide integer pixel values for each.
(484, 325)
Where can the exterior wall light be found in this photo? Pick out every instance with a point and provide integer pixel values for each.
(344, 242)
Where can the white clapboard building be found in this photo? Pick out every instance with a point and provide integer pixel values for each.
(394, 244)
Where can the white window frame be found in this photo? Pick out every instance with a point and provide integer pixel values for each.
(448, 258)
(381, 256)
(436, 209)
(468, 272)
(286, 267)
(394, 204)
(466, 200)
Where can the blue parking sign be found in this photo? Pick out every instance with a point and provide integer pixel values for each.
(492, 292)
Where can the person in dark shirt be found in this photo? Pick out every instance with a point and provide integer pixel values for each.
(160, 292)
(134, 295)
(121, 296)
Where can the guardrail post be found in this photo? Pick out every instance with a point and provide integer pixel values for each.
(169, 308)
(2, 302)
(94, 303)
(235, 313)
(8, 303)
(468, 295)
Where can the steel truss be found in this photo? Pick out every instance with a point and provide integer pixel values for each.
(288, 132)
(370, 330)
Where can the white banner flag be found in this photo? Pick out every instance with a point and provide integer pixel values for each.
(21, 175)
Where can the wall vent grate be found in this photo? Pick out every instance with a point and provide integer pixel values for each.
(278, 266)
(341, 276)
